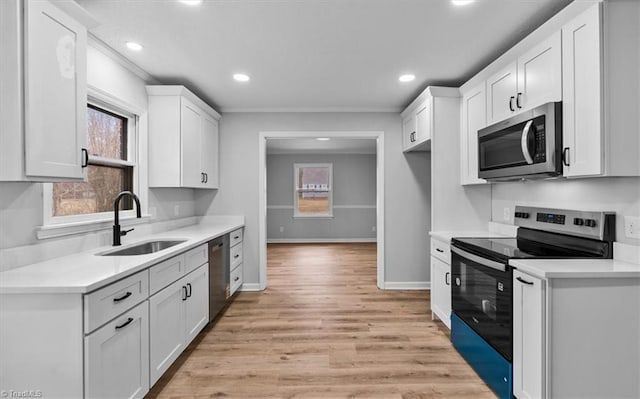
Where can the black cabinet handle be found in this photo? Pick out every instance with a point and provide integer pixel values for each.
(447, 278)
(523, 281)
(184, 293)
(518, 100)
(122, 298)
(126, 323)
(201, 177)
(85, 158)
(237, 278)
(236, 256)
(511, 103)
(565, 156)
(439, 250)
(189, 290)
(236, 237)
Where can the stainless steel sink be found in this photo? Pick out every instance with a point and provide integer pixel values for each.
(143, 248)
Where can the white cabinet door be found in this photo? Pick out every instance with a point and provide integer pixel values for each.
(441, 290)
(55, 92)
(197, 303)
(501, 94)
(166, 321)
(209, 151)
(191, 127)
(540, 74)
(582, 121)
(408, 131)
(117, 357)
(423, 123)
(474, 118)
(528, 336)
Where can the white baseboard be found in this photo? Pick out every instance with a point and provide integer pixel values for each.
(407, 285)
(250, 287)
(317, 240)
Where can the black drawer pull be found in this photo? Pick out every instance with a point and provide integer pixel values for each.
(122, 298)
(236, 256)
(236, 237)
(237, 278)
(524, 281)
(126, 323)
(439, 250)
(447, 278)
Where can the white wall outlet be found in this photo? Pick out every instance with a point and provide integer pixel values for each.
(632, 226)
(176, 210)
(506, 214)
(282, 229)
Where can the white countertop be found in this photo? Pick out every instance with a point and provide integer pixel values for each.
(577, 268)
(85, 271)
(494, 230)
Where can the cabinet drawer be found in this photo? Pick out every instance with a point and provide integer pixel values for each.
(235, 237)
(236, 279)
(236, 256)
(106, 303)
(441, 250)
(196, 257)
(165, 273)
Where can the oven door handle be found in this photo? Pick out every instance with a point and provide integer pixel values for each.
(523, 142)
(478, 259)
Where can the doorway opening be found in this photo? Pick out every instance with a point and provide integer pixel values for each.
(302, 199)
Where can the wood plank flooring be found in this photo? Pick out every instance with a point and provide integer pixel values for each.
(323, 330)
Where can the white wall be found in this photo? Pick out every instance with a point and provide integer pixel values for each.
(407, 184)
(619, 194)
(354, 198)
(21, 203)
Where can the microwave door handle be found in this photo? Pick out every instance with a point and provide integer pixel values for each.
(523, 142)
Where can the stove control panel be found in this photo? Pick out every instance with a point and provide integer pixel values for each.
(598, 225)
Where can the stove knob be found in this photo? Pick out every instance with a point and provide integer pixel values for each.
(578, 221)
(524, 215)
(590, 223)
(518, 214)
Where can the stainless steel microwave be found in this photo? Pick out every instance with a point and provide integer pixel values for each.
(525, 146)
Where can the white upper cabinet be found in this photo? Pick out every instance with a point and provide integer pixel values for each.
(44, 98)
(532, 80)
(183, 139)
(416, 126)
(473, 118)
(601, 59)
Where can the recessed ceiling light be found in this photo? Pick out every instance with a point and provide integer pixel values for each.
(191, 2)
(323, 139)
(407, 77)
(134, 46)
(461, 2)
(241, 77)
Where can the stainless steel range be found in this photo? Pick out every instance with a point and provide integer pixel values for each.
(481, 320)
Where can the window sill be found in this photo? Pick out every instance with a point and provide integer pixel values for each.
(313, 216)
(67, 229)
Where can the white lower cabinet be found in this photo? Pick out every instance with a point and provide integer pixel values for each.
(117, 356)
(176, 315)
(441, 290)
(528, 333)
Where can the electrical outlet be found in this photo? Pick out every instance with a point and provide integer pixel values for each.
(632, 226)
(176, 210)
(282, 229)
(506, 215)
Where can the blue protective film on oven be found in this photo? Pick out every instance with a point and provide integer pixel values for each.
(490, 365)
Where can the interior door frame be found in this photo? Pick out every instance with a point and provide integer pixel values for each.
(262, 196)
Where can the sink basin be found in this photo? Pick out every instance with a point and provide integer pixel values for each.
(143, 248)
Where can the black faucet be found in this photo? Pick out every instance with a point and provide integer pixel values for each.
(116, 210)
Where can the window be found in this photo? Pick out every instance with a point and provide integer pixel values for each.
(313, 195)
(111, 167)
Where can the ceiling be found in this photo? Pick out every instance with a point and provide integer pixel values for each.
(313, 146)
(314, 55)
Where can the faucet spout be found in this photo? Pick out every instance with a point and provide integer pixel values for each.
(117, 233)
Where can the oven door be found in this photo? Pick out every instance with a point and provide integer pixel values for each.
(481, 295)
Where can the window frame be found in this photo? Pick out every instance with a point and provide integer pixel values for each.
(296, 190)
(54, 226)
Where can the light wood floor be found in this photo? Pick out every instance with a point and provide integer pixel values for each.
(323, 330)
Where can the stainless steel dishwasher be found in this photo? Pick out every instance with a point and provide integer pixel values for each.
(218, 274)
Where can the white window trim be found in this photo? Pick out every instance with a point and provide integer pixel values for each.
(296, 214)
(66, 225)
